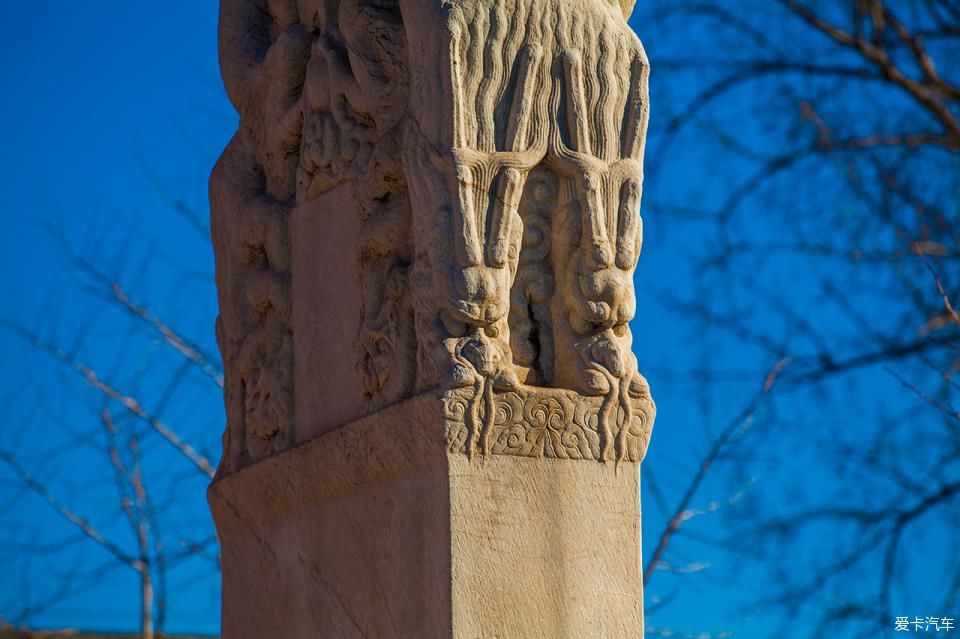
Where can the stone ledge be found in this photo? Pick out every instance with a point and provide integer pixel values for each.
(372, 449)
(531, 421)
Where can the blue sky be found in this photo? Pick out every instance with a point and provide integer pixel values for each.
(104, 101)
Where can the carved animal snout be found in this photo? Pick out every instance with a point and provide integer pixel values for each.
(605, 357)
(481, 294)
(609, 354)
(482, 354)
(607, 296)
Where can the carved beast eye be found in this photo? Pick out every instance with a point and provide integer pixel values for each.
(620, 329)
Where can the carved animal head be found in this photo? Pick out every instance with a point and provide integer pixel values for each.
(481, 92)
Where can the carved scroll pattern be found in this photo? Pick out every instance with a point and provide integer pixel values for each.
(543, 422)
(531, 325)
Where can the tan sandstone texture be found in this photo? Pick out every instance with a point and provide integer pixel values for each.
(426, 229)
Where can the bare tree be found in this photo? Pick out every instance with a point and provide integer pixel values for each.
(804, 160)
(822, 234)
(122, 481)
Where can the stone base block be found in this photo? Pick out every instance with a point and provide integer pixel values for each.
(388, 528)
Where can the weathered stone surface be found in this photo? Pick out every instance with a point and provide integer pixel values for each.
(327, 312)
(425, 195)
(426, 229)
(379, 530)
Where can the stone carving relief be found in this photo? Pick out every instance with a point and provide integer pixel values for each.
(543, 422)
(251, 191)
(494, 150)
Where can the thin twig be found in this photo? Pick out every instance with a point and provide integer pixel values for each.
(127, 401)
(682, 512)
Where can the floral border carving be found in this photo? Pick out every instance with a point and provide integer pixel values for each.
(543, 422)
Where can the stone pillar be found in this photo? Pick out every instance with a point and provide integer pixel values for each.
(426, 229)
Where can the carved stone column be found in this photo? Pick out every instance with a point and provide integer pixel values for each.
(426, 229)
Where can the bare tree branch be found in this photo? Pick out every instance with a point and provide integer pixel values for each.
(130, 403)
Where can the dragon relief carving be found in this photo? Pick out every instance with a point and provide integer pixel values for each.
(495, 155)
